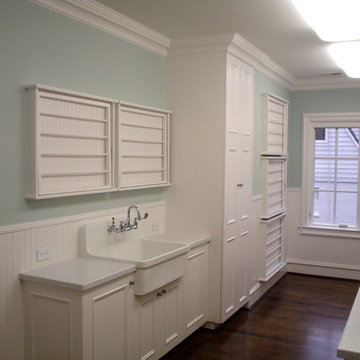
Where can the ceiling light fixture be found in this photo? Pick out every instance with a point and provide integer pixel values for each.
(332, 20)
(347, 56)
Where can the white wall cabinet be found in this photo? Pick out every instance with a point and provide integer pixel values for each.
(143, 137)
(273, 237)
(70, 138)
(83, 144)
(238, 185)
(274, 125)
(273, 186)
(65, 324)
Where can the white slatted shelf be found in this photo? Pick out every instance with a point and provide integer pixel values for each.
(144, 147)
(274, 250)
(274, 229)
(271, 193)
(273, 260)
(70, 143)
(66, 117)
(274, 182)
(271, 241)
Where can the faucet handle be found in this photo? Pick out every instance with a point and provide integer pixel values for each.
(144, 217)
(113, 221)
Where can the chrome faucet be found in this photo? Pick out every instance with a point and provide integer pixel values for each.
(127, 225)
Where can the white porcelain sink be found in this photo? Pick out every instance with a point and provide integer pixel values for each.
(157, 262)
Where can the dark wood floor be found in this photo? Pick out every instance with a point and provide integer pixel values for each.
(301, 318)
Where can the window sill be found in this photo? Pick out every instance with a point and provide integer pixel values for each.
(330, 232)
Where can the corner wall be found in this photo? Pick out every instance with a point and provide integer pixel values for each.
(314, 254)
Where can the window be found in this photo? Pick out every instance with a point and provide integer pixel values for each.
(331, 171)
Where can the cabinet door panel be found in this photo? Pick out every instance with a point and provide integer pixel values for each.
(172, 306)
(147, 325)
(110, 313)
(196, 287)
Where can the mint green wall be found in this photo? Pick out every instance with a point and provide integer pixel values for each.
(41, 46)
(314, 101)
(263, 84)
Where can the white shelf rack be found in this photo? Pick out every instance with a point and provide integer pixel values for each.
(83, 144)
(273, 236)
(274, 125)
(273, 186)
(70, 136)
(143, 134)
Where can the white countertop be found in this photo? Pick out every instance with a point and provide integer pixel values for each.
(193, 240)
(349, 347)
(78, 273)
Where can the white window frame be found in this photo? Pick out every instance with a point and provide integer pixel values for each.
(310, 122)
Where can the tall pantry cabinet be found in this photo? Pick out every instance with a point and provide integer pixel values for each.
(210, 90)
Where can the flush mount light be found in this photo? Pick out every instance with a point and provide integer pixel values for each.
(332, 20)
(347, 56)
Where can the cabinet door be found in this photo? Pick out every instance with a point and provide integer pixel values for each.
(196, 283)
(108, 320)
(170, 303)
(147, 326)
(238, 184)
(158, 321)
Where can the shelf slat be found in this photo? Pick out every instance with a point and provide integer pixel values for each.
(73, 136)
(143, 156)
(142, 126)
(68, 117)
(142, 141)
(142, 171)
(74, 155)
(74, 173)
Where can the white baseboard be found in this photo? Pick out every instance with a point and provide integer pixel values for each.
(323, 269)
(260, 289)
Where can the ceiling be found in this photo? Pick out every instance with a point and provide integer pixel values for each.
(273, 26)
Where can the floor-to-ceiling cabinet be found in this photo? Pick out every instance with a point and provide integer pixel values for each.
(237, 185)
(210, 90)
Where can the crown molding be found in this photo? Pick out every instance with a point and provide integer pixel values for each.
(339, 82)
(110, 21)
(237, 46)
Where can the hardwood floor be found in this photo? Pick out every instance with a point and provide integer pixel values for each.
(301, 318)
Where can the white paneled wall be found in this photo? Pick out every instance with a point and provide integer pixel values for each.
(319, 255)
(18, 245)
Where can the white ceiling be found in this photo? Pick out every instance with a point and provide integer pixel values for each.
(273, 26)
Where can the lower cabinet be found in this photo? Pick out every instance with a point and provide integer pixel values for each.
(109, 322)
(65, 324)
(158, 321)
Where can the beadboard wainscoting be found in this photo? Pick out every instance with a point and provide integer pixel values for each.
(18, 247)
(319, 255)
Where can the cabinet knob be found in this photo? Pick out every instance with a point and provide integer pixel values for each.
(240, 185)
(132, 282)
(159, 293)
(164, 291)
